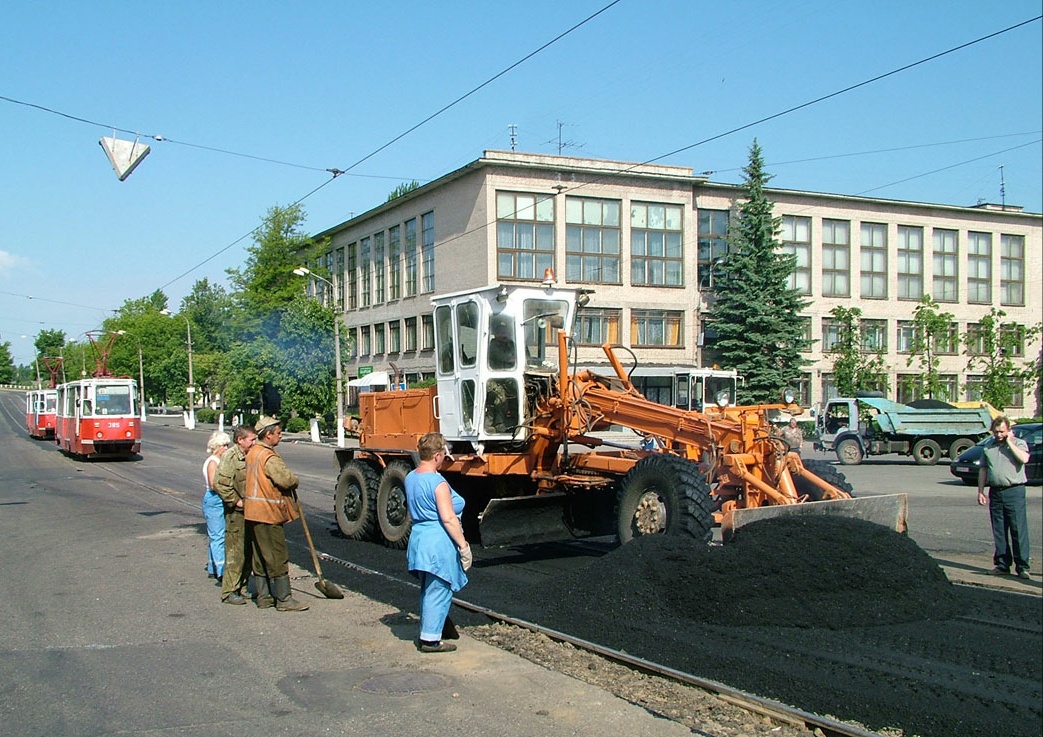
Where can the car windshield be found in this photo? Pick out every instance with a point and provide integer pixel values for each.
(1020, 431)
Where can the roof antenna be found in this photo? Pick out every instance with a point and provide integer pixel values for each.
(1003, 190)
(513, 130)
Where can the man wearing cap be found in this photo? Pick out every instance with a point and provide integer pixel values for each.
(269, 504)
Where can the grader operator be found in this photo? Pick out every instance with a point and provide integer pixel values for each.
(522, 427)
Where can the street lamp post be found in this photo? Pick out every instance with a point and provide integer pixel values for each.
(303, 271)
(190, 421)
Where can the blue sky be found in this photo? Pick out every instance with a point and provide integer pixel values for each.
(322, 85)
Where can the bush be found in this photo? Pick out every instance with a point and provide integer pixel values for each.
(298, 424)
(207, 415)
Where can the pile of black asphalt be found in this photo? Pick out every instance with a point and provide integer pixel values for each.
(835, 616)
(828, 614)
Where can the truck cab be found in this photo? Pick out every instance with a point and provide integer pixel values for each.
(488, 343)
(839, 430)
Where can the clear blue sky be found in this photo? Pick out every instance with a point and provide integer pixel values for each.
(323, 84)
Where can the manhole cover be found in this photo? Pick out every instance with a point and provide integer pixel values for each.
(403, 683)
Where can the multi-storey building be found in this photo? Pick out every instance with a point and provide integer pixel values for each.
(645, 238)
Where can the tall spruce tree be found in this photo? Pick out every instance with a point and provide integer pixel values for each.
(755, 313)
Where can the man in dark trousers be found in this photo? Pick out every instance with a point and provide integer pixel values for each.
(269, 504)
(230, 485)
(1003, 460)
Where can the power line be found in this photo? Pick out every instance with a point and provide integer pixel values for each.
(338, 172)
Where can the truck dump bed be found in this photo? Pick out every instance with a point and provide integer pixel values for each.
(900, 419)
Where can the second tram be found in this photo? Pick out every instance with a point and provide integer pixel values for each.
(40, 412)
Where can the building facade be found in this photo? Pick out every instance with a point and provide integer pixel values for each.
(645, 237)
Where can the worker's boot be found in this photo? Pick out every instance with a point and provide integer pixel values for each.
(260, 592)
(284, 601)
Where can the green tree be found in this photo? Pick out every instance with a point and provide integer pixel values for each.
(49, 342)
(931, 329)
(403, 189)
(992, 348)
(266, 284)
(7, 369)
(755, 313)
(306, 379)
(854, 369)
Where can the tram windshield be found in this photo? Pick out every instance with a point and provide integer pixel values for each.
(113, 399)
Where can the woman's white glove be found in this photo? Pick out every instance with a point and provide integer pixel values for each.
(465, 558)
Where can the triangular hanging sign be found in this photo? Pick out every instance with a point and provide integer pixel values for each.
(124, 155)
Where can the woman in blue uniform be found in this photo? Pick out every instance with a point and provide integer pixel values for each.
(438, 553)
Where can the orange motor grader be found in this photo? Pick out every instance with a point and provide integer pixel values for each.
(530, 451)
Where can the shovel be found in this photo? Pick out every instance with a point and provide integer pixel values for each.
(328, 588)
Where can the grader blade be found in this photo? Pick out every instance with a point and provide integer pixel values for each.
(889, 510)
(524, 520)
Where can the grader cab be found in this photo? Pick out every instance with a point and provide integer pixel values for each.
(530, 455)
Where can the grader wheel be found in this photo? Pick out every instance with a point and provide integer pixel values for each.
(664, 494)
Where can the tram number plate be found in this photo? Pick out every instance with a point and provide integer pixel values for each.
(113, 425)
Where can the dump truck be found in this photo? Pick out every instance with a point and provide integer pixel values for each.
(529, 454)
(863, 426)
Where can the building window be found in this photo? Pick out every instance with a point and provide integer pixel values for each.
(656, 328)
(806, 340)
(836, 258)
(874, 261)
(427, 325)
(353, 277)
(979, 268)
(946, 266)
(802, 386)
(906, 336)
(365, 285)
(910, 262)
(597, 326)
(975, 339)
(712, 243)
(338, 277)
(656, 250)
(976, 387)
(411, 337)
(829, 388)
(796, 239)
(830, 334)
(948, 386)
(394, 262)
(365, 342)
(1013, 339)
(874, 335)
(592, 238)
(427, 249)
(379, 292)
(394, 337)
(1012, 270)
(524, 235)
(948, 344)
(910, 388)
(409, 252)
(379, 346)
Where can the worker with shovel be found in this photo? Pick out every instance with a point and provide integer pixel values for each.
(269, 504)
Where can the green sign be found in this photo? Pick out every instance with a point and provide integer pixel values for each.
(365, 371)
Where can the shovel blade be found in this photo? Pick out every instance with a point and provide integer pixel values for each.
(329, 590)
(890, 510)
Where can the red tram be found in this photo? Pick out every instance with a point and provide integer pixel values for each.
(98, 417)
(40, 411)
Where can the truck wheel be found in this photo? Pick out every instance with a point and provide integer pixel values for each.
(849, 452)
(355, 501)
(392, 511)
(927, 452)
(664, 494)
(825, 471)
(959, 447)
